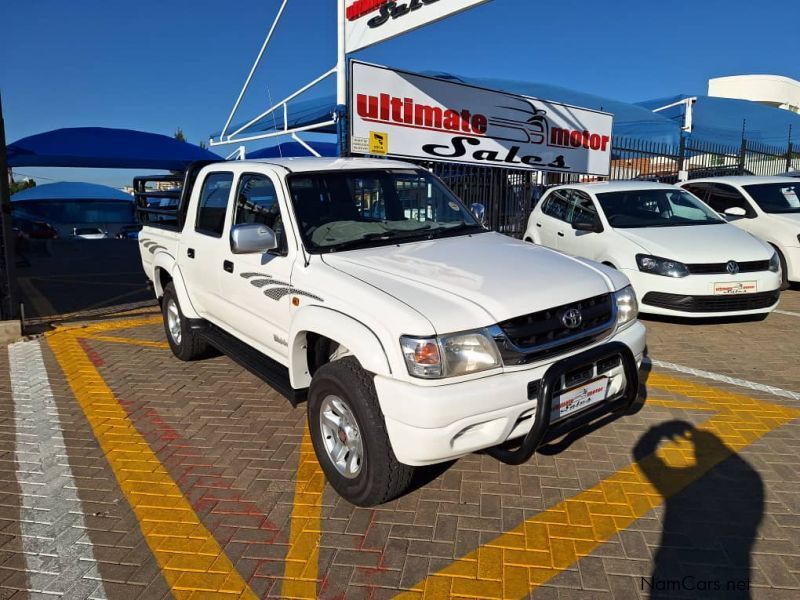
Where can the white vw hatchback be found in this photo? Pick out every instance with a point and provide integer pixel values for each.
(767, 207)
(682, 258)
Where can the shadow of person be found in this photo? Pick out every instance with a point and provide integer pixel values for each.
(711, 516)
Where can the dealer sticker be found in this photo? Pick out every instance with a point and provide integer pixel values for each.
(735, 287)
(579, 398)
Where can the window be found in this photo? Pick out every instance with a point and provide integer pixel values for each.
(698, 189)
(213, 204)
(783, 197)
(582, 209)
(721, 197)
(657, 207)
(257, 202)
(557, 205)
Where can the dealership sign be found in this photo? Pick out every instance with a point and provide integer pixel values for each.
(368, 22)
(395, 113)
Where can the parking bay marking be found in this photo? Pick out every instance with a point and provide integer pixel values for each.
(760, 387)
(188, 555)
(520, 560)
(786, 312)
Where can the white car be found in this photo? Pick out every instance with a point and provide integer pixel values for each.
(767, 207)
(416, 335)
(682, 258)
(89, 233)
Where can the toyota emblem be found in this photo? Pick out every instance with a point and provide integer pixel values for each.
(732, 267)
(572, 318)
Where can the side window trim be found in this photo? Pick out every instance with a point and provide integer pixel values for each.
(197, 227)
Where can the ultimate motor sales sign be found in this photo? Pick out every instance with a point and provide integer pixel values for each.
(406, 115)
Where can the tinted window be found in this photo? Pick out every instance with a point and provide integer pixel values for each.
(557, 205)
(213, 203)
(664, 207)
(257, 202)
(721, 197)
(776, 197)
(698, 189)
(583, 209)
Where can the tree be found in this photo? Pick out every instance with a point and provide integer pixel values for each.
(179, 135)
(18, 186)
(203, 144)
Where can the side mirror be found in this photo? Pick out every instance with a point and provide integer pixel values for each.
(250, 238)
(479, 212)
(735, 211)
(588, 226)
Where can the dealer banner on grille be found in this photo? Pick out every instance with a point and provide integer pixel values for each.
(368, 22)
(401, 114)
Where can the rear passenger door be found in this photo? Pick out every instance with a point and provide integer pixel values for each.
(551, 222)
(202, 243)
(721, 197)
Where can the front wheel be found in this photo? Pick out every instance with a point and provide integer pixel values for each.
(349, 435)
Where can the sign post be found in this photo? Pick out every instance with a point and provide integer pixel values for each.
(8, 296)
(407, 115)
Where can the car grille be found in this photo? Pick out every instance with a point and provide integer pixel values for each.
(542, 334)
(727, 303)
(752, 266)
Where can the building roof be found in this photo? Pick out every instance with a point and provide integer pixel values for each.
(72, 191)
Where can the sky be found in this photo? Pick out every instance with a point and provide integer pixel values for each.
(156, 65)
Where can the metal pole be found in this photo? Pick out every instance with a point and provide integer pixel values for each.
(8, 280)
(341, 61)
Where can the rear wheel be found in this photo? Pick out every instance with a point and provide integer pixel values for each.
(349, 435)
(184, 343)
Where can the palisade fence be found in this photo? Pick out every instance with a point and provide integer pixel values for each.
(510, 194)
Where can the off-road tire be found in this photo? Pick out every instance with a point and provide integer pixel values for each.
(381, 477)
(191, 346)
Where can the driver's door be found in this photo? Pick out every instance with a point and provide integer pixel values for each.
(258, 286)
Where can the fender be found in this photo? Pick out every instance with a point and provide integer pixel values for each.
(167, 263)
(361, 341)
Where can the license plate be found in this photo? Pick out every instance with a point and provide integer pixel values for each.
(579, 398)
(735, 287)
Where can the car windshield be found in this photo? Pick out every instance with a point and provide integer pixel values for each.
(655, 208)
(776, 197)
(345, 210)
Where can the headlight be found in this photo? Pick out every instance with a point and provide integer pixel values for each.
(661, 266)
(627, 305)
(775, 263)
(450, 355)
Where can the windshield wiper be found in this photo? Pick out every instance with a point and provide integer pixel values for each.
(367, 240)
(457, 230)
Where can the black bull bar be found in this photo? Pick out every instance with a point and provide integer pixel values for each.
(542, 430)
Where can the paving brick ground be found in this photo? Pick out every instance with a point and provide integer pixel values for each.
(232, 446)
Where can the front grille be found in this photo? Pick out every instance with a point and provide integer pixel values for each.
(542, 334)
(726, 303)
(752, 266)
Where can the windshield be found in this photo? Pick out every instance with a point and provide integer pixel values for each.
(776, 197)
(338, 210)
(655, 208)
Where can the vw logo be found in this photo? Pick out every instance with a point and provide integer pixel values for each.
(732, 267)
(572, 318)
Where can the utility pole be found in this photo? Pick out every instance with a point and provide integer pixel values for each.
(8, 280)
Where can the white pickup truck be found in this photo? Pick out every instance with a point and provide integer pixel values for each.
(366, 287)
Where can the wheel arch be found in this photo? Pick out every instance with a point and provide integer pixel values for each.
(164, 274)
(317, 322)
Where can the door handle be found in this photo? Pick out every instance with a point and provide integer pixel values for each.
(190, 252)
(228, 266)
(560, 234)
(538, 224)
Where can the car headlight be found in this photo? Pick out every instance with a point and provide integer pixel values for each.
(661, 266)
(450, 355)
(775, 263)
(627, 306)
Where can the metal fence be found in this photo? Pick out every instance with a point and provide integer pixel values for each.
(509, 194)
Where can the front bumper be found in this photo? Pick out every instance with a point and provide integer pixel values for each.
(792, 256)
(433, 424)
(693, 296)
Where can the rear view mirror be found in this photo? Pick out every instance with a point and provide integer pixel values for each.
(479, 212)
(735, 211)
(588, 226)
(250, 238)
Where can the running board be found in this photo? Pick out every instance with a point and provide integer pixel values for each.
(259, 364)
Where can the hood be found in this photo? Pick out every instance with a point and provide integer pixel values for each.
(698, 243)
(473, 281)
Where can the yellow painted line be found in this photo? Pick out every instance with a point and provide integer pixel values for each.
(678, 404)
(516, 562)
(123, 340)
(190, 558)
(302, 558)
(110, 325)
